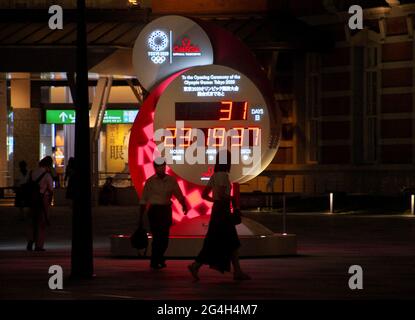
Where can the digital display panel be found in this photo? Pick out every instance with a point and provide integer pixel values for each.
(214, 110)
(176, 66)
(207, 109)
(211, 137)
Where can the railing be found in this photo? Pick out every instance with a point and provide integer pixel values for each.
(380, 181)
(120, 179)
(5, 179)
(7, 192)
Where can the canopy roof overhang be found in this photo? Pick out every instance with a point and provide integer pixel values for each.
(28, 45)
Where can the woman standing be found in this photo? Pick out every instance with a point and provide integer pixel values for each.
(21, 189)
(40, 203)
(221, 244)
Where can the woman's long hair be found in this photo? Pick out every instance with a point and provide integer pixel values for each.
(46, 162)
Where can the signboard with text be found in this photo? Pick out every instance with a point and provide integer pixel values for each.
(111, 116)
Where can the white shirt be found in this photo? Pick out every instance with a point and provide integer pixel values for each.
(46, 183)
(160, 191)
(217, 181)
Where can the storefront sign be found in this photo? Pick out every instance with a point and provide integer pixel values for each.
(118, 137)
(111, 116)
(120, 116)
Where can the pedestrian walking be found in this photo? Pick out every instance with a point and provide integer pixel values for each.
(221, 244)
(156, 203)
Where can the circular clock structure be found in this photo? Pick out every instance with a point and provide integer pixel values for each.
(207, 93)
(192, 115)
(209, 108)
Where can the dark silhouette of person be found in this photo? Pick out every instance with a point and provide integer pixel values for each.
(40, 204)
(156, 203)
(221, 244)
(20, 188)
(53, 172)
(108, 194)
(70, 177)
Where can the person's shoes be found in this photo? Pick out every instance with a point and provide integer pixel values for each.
(40, 249)
(162, 265)
(241, 276)
(194, 271)
(29, 246)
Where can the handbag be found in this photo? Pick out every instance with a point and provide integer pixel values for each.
(139, 238)
(236, 217)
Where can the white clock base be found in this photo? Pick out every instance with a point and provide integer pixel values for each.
(186, 240)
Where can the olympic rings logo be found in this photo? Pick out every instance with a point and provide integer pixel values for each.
(158, 59)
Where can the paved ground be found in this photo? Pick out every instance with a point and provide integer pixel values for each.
(384, 245)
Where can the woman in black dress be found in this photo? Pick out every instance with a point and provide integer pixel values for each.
(221, 244)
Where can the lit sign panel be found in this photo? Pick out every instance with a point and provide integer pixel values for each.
(167, 45)
(110, 116)
(60, 116)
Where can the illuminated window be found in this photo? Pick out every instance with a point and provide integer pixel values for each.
(371, 103)
(313, 98)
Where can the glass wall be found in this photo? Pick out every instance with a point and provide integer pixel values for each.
(58, 141)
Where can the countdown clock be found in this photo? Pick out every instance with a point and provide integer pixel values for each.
(206, 92)
(206, 109)
(188, 118)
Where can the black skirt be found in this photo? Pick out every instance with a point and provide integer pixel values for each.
(221, 239)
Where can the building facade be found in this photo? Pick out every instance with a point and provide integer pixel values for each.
(346, 96)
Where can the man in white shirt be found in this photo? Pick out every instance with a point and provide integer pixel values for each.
(156, 201)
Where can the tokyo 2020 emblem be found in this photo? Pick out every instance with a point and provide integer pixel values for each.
(158, 41)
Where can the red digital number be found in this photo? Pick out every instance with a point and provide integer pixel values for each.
(256, 133)
(171, 137)
(238, 137)
(187, 132)
(213, 135)
(228, 110)
(245, 110)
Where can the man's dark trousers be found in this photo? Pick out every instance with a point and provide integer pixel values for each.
(160, 219)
